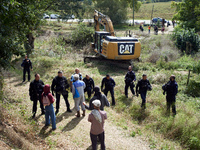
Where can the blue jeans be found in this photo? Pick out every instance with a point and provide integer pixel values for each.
(143, 95)
(49, 112)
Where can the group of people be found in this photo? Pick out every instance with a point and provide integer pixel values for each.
(78, 85)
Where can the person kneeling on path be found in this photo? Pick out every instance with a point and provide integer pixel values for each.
(48, 100)
(60, 86)
(89, 82)
(129, 81)
(143, 85)
(109, 86)
(97, 119)
(98, 95)
(35, 92)
(78, 94)
(171, 88)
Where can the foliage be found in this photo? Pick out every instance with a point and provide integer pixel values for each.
(17, 19)
(193, 88)
(108, 7)
(75, 7)
(82, 35)
(188, 13)
(186, 40)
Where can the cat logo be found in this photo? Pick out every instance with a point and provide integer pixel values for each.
(126, 48)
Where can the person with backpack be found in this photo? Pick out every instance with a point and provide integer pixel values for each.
(60, 86)
(98, 95)
(109, 86)
(26, 64)
(48, 100)
(78, 94)
(171, 90)
(97, 119)
(35, 92)
(130, 78)
(142, 87)
(89, 82)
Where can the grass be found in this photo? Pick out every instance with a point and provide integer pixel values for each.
(161, 9)
(183, 129)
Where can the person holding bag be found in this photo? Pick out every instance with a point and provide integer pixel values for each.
(48, 100)
(78, 94)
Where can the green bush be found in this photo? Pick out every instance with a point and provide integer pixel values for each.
(196, 67)
(193, 88)
(186, 40)
(82, 35)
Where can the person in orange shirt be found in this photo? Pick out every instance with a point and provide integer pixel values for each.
(149, 28)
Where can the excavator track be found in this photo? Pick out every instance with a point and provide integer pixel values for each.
(119, 63)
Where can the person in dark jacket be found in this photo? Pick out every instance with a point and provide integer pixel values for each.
(98, 95)
(26, 64)
(109, 86)
(171, 88)
(35, 92)
(129, 81)
(89, 82)
(49, 110)
(60, 86)
(142, 87)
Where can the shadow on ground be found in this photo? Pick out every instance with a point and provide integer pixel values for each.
(72, 124)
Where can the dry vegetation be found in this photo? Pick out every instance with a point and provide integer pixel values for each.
(127, 127)
(162, 9)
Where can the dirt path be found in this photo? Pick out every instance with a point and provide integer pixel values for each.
(72, 132)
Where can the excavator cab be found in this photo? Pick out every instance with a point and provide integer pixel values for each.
(98, 40)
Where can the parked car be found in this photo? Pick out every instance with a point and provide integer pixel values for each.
(154, 20)
(46, 16)
(54, 16)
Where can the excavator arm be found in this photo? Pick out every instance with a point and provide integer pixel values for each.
(104, 20)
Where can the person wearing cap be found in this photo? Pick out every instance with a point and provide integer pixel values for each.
(98, 95)
(171, 90)
(77, 71)
(129, 81)
(89, 82)
(142, 87)
(60, 86)
(97, 119)
(109, 86)
(78, 94)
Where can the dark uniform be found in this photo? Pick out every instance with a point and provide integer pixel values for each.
(143, 86)
(129, 78)
(171, 88)
(89, 86)
(109, 86)
(26, 64)
(35, 92)
(59, 85)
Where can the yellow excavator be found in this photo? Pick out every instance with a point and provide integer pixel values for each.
(107, 45)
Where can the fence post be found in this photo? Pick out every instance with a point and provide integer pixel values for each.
(188, 77)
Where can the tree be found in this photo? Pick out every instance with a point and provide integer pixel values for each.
(116, 9)
(188, 14)
(18, 19)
